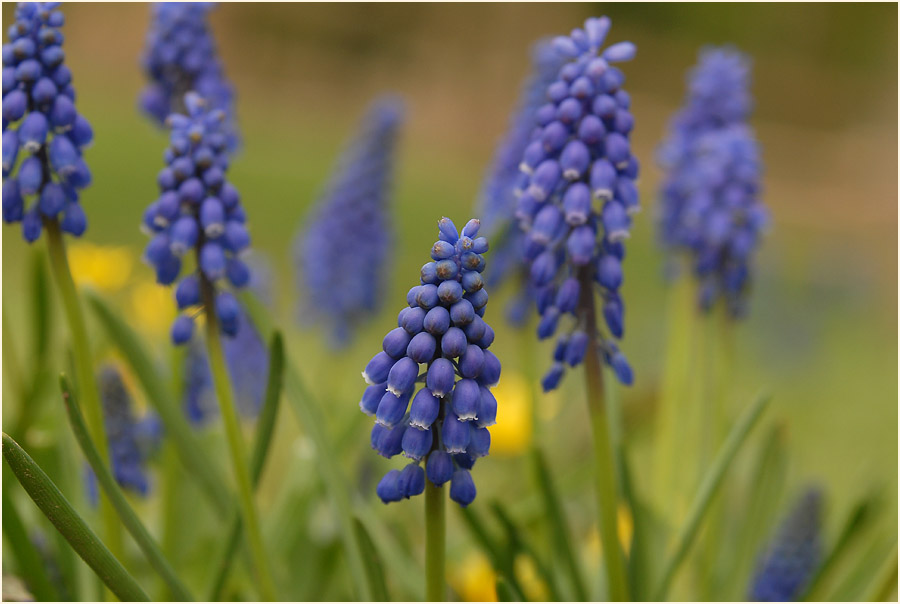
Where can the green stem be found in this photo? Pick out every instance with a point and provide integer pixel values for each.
(239, 460)
(84, 371)
(114, 492)
(604, 467)
(60, 512)
(265, 427)
(435, 543)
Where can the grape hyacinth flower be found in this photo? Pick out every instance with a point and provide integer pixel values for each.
(180, 56)
(43, 133)
(505, 182)
(437, 417)
(710, 205)
(247, 358)
(578, 197)
(792, 557)
(131, 441)
(341, 253)
(198, 210)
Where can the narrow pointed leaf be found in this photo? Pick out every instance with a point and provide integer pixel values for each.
(117, 498)
(265, 427)
(372, 560)
(516, 537)
(505, 592)
(559, 527)
(310, 418)
(885, 583)
(708, 488)
(501, 557)
(855, 523)
(60, 512)
(190, 452)
(26, 554)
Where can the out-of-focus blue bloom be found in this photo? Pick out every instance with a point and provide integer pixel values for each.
(791, 558)
(341, 254)
(43, 134)
(180, 56)
(247, 358)
(710, 205)
(504, 181)
(443, 330)
(198, 211)
(131, 441)
(577, 196)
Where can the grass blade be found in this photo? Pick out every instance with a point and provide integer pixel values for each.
(26, 554)
(708, 488)
(502, 558)
(762, 501)
(859, 516)
(505, 592)
(117, 498)
(885, 583)
(192, 455)
(374, 567)
(265, 427)
(310, 418)
(60, 512)
(559, 527)
(517, 542)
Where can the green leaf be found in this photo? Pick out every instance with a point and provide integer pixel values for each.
(559, 527)
(502, 558)
(372, 560)
(26, 554)
(505, 592)
(265, 427)
(60, 512)
(516, 538)
(191, 453)
(708, 488)
(310, 418)
(853, 526)
(885, 583)
(762, 498)
(117, 498)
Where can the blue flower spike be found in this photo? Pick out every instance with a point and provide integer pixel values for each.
(342, 252)
(792, 557)
(711, 210)
(576, 197)
(43, 134)
(131, 441)
(429, 388)
(180, 56)
(198, 212)
(505, 178)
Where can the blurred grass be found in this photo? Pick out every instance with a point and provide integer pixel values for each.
(821, 334)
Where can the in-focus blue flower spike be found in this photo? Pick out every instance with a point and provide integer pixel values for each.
(710, 207)
(341, 253)
(577, 197)
(180, 56)
(131, 441)
(198, 211)
(430, 386)
(505, 181)
(43, 133)
(789, 561)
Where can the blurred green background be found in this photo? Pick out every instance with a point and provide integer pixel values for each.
(822, 328)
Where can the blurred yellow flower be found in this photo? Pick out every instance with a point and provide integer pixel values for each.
(534, 587)
(512, 433)
(625, 529)
(105, 267)
(474, 579)
(152, 307)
